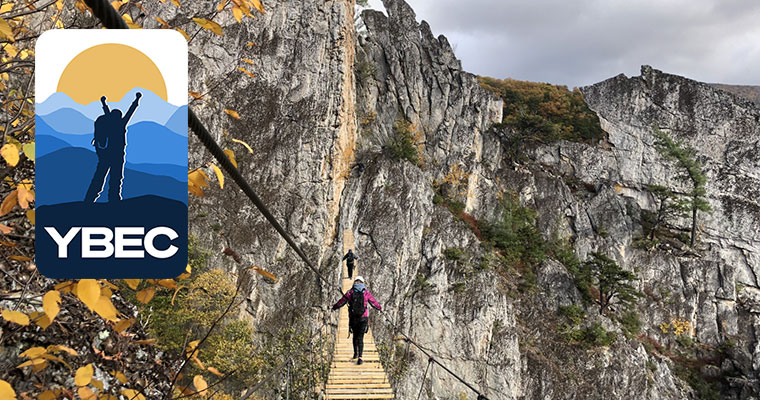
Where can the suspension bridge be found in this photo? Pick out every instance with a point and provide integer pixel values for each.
(348, 380)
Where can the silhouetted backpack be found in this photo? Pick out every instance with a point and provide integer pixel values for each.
(350, 257)
(100, 139)
(356, 304)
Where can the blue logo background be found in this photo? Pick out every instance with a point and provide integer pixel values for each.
(153, 190)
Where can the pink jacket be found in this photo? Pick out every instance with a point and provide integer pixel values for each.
(367, 298)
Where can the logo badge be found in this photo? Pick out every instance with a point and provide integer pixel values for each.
(111, 154)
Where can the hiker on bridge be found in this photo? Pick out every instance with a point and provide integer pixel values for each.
(358, 313)
(350, 257)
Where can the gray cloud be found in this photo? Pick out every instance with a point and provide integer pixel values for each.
(579, 42)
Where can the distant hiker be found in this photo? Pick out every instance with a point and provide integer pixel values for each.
(358, 313)
(350, 257)
(110, 143)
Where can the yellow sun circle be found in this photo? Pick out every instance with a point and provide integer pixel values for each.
(110, 70)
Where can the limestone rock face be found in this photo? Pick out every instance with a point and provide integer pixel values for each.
(322, 115)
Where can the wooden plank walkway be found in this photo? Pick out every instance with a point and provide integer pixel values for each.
(348, 380)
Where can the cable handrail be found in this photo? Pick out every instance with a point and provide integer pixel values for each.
(110, 18)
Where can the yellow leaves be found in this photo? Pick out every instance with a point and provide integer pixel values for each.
(176, 3)
(88, 290)
(6, 391)
(200, 383)
(146, 294)
(237, 13)
(16, 317)
(195, 95)
(187, 37)
(10, 49)
(191, 347)
(219, 175)
(28, 149)
(6, 7)
(232, 113)
(222, 4)
(249, 73)
(8, 203)
(57, 348)
(196, 181)
(25, 195)
(57, 21)
(41, 319)
(83, 375)
(214, 371)
(117, 4)
(120, 377)
(6, 31)
(265, 273)
(168, 283)
(247, 146)
(22, 195)
(186, 274)
(79, 4)
(128, 19)
(35, 362)
(5, 229)
(105, 308)
(132, 283)
(50, 303)
(209, 25)
(162, 22)
(679, 326)
(246, 60)
(38, 357)
(49, 395)
(123, 324)
(10, 154)
(258, 5)
(86, 393)
(33, 352)
(231, 155)
(131, 393)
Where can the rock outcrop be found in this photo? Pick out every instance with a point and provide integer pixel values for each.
(321, 114)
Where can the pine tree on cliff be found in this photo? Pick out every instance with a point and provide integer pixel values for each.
(611, 281)
(685, 158)
(667, 207)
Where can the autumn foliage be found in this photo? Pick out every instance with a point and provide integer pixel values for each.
(84, 330)
(545, 112)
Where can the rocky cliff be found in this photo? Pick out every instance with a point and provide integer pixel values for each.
(322, 115)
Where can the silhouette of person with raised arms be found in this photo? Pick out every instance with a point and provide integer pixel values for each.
(110, 145)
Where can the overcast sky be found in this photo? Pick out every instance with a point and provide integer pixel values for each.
(580, 42)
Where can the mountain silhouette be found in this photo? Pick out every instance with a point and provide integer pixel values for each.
(177, 123)
(69, 184)
(149, 138)
(152, 107)
(68, 121)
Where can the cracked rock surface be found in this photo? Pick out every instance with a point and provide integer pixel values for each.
(320, 115)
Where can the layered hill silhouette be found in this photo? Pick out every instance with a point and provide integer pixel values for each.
(59, 110)
(69, 184)
(155, 160)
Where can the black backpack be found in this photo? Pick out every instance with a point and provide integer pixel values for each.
(356, 305)
(100, 139)
(350, 258)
